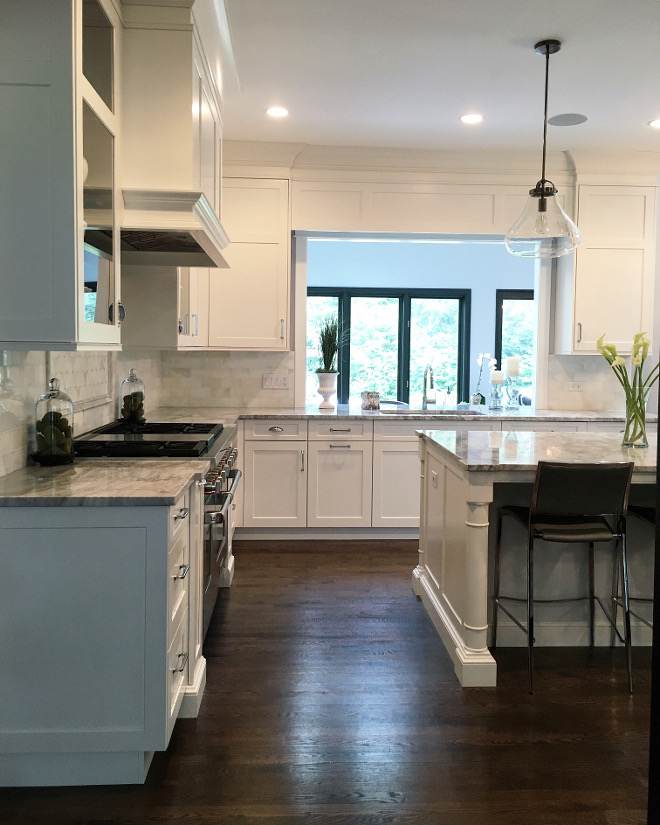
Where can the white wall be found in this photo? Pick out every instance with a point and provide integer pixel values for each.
(482, 267)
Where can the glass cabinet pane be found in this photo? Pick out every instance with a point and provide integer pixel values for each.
(98, 41)
(98, 210)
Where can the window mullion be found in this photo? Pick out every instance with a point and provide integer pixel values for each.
(403, 379)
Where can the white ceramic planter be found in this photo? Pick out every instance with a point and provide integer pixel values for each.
(327, 389)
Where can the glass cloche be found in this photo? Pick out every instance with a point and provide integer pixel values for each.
(54, 426)
(132, 399)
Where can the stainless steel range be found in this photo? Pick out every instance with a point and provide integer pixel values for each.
(185, 440)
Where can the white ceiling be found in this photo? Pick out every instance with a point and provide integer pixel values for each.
(399, 73)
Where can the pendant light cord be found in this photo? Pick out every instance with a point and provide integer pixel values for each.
(545, 111)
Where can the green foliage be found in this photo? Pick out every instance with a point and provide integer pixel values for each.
(328, 344)
(518, 319)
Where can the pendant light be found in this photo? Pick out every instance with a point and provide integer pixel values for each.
(543, 230)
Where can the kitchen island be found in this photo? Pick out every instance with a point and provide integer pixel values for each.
(464, 475)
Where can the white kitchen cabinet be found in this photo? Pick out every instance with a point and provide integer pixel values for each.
(607, 288)
(101, 610)
(249, 305)
(172, 126)
(58, 175)
(275, 473)
(340, 473)
(169, 306)
(339, 483)
(395, 484)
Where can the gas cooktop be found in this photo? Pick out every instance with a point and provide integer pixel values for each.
(150, 439)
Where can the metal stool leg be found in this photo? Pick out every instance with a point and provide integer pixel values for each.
(530, 610)
(592, 600)
(626, 610)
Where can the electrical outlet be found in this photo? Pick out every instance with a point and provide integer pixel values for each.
(575, 386)
(274, 381)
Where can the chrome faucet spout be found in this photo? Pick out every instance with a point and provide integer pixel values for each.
(428, 379)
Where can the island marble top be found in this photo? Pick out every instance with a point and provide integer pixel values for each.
(515, 451)
(98, 482)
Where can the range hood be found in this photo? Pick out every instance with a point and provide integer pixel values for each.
(170, 228)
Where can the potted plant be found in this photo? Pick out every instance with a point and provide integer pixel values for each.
(328, 349)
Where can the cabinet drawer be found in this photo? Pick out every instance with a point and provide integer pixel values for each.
(344, 430)
(177, 669)
(180, 516)
(178, 568)
(276, 429)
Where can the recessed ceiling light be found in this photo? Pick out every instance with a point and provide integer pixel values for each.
(277, 111)
(474, 118)
(568, 119)
(655, 123)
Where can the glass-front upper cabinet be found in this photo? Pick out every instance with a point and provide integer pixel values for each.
(98, 51)
(99, 218)
(99, 311)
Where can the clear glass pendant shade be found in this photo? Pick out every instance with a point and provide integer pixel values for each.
(543, 230)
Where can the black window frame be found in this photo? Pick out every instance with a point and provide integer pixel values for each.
(502, 295)
(344, 295)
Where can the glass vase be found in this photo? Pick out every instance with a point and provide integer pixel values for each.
(634, 434)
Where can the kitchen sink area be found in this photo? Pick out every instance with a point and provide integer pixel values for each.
(430, 411)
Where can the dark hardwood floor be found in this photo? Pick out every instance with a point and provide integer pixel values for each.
(331, 701)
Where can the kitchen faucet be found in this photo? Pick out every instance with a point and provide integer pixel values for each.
(428, 374)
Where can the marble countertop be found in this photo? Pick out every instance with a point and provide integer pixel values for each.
(101, 482)
(511, 451)
(228, 415)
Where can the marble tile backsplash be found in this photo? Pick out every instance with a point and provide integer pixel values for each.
(600, 388)
(225, 379)
(91, 379)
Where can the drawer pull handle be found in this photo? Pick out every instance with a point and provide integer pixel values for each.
(302, 461)
(282, 329)
(276, 429)
(186, 570)
(579, 337)
(184, 512)
(333, 430)
(184, 662)
(340, 446)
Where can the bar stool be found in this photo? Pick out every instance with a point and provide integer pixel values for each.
(571, 503)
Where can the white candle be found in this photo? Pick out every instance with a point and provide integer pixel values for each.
(496, 377)
(511, 367)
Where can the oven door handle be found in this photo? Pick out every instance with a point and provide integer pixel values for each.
(218, 516)
(235, 477)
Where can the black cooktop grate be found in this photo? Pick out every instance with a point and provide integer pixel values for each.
(157, 439)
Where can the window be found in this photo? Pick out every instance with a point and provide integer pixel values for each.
(388, 336)
(515, 322)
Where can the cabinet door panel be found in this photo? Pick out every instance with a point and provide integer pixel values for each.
(53, 683)
(248, 304)
(339, 485)
(396, 484)
(275, 484)
(619, 273)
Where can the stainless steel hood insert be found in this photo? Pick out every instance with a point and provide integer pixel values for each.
(170, 228)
